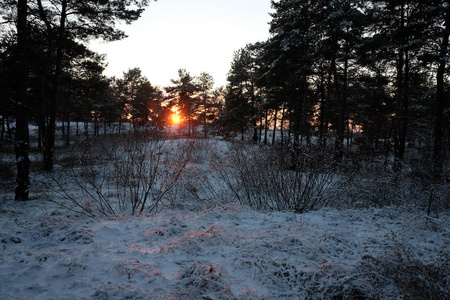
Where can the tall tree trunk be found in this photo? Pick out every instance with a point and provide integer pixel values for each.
(22, 138)
(290, 129)
(440, 99)
(8, 129)
(399, 92)
(205, 115)
(297, 118)
(41, 128)
(339, 147)
(68, 130)
(323, 122)
(343, 120)
(274, 133)
(260, 131)
(253, 122)
(204, 126)
(283, 117)
(401, 118)
(2, 131)
(405, 107)
(266, 125)
(63, 128)
(49, 143)
(328, 98)
(96, 125)
(86, 130)
(189, 109)
(305, 126)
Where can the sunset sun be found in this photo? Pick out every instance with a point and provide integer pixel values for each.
(176, 119)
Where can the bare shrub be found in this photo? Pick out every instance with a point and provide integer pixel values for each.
(379, 190)
(134, 172)
(147, 171)
(375, 184)
(259, 177)
(200, 185)
(204, 281)
(198, 189)
(330, 280)
(409, 275)
(394, 271)
(241, 174)
(203, 150)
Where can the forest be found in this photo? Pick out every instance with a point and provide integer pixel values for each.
(367, 78)
(355, 77)
(320, 171)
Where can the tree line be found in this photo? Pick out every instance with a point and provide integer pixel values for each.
(334, 68)
(333, 73)
(44, 58)
(49, 74)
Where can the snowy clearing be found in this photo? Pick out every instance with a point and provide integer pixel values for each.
(198, 238)
(229, 252)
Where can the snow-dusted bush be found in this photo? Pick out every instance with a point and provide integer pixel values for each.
(262, 178)
(200, 185)
(408, 275)
(330, 280)
(147, 170)
(396, 270)
(133, 172)
(204, 281)
(374, 184)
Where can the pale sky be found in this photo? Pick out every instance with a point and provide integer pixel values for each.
(196, 35)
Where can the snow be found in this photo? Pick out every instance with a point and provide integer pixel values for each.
(215, 248)
(226, 252)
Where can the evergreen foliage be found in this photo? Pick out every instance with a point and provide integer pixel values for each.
(370, 77)
(371, 74)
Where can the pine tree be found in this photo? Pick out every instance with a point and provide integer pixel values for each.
(66, 20)
(182, 94)
(128, 88)
(292, 51)
(342, 26)
(397, 33)
(147, 104)
(205, 83)
(437, 17)
(243, 97)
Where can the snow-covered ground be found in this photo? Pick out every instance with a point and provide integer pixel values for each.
(211, 247)
(228, 252)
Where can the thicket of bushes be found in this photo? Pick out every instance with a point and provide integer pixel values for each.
(144, 173)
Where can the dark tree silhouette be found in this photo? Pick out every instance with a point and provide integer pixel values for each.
(21, 145)
(65, 20)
